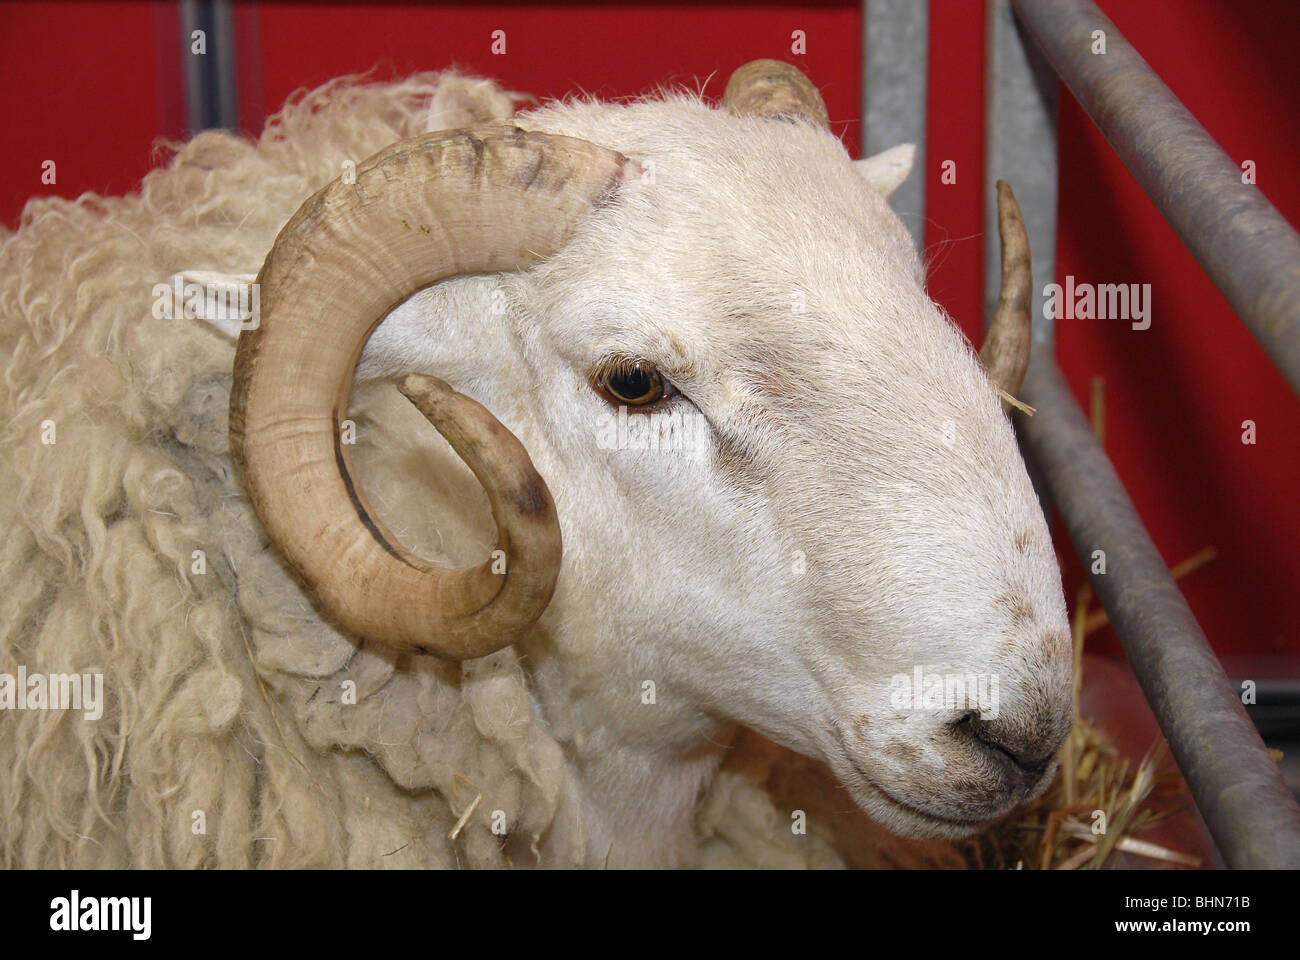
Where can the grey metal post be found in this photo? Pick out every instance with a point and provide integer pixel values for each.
(1238, 790)
(1245, 246)
(210, 82)
(1236, 785)
(895, 55)
(1019, 147)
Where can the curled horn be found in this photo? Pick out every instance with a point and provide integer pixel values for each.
(1005, 353)
(485, 199)
(772, 88)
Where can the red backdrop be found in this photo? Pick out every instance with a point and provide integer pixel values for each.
(93, 85)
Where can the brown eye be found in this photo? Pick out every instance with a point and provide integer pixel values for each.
(635, 384)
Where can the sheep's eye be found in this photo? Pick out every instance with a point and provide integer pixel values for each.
(636, 383)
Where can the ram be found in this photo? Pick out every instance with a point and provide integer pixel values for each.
(496, 624)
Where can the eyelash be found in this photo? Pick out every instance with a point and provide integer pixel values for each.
(658, 388)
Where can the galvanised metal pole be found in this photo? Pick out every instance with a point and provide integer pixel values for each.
(1236, 784)
(1245, 246)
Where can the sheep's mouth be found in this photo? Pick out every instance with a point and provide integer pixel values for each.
(928, 818)
(925, 822)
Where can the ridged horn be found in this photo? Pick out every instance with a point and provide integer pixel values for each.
(772, 88)
(1005, 353)
(485, 199)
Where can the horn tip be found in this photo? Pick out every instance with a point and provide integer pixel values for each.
(769, 87)
(418, 387)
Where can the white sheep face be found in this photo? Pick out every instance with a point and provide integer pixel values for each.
(858, 509)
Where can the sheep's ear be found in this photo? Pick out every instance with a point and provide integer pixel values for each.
(887, 170)
(230, 302)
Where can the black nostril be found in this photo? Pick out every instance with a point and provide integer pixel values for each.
(991, 735)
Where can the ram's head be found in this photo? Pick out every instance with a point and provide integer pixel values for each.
(789, 493)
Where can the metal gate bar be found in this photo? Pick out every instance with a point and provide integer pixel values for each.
(1236, 785)
(1244, 245)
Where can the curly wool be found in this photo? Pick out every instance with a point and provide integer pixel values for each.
(225, 740)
